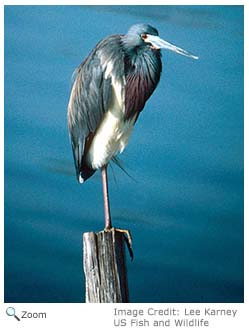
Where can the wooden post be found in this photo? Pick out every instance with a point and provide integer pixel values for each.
(105, 266)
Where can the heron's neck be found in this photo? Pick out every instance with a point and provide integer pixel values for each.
(144, 60)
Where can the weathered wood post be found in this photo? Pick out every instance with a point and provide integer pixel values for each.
(105, 265)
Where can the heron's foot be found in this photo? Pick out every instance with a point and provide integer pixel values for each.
(127, 237)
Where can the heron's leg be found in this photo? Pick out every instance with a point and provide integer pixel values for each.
(108, 222)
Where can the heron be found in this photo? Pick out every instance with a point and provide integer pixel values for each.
(110, 89)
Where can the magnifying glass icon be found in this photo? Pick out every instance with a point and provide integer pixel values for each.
(10, 311)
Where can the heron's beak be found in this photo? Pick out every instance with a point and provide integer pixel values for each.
(160, 43)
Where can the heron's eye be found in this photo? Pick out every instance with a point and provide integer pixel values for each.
(144, 36)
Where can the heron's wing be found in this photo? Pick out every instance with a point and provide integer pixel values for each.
(89, 100)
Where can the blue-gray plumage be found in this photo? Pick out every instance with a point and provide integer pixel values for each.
(110, 90)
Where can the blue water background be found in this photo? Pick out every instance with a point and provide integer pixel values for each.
(185, 204)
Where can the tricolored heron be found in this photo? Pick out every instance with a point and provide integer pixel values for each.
(110, 90)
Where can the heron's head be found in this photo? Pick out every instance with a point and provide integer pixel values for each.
(145, 36)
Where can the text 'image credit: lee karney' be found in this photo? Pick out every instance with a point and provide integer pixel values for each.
(178, 317)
